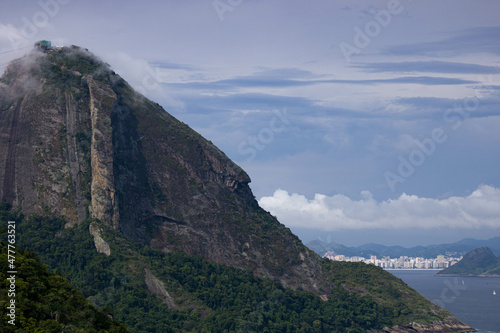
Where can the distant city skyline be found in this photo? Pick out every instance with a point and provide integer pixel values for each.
(403, 262)
(370, 121)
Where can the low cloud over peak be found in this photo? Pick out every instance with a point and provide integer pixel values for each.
(480, 209)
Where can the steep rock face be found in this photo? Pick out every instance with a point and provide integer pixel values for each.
(41, 170)
(100, 244)
(104, 201)
(194, 199)
(73, 157)
(157, 287)
(87, 145)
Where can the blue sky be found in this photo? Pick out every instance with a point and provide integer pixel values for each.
(365, 121)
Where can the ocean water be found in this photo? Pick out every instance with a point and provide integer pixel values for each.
(470, 299)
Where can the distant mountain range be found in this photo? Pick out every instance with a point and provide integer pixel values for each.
(478, 262)
(431, 251)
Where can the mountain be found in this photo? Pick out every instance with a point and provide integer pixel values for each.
(478, 262)
(431, 251)
(144, 215)
(84, 145)
(321, 248)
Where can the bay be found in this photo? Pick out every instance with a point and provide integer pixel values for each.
(470, 299)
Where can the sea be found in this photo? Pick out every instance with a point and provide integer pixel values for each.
(470, 299)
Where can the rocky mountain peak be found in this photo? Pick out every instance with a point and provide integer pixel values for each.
(80, 142)
(480, 254)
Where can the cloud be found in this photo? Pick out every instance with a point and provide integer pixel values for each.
(428, 67)
(425, 80)
(479, 209)
(145, 78)
(27, 81)
(253, 81)
(468, 41)
(286, 73)
(173, 65)
(12, 44)
(484, 104)
(11, 38)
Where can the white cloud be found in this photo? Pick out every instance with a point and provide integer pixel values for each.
(144, 77)
(404, 143)
(479, 209)
(11, 37)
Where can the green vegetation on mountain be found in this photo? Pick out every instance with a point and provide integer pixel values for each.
(210, 297)
(478, 262)
(44, 302)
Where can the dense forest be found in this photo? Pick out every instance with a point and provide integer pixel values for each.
(209, 297)
(44, 301)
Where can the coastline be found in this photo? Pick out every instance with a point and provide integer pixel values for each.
(412, 269)
(471, 302)
(472, 275)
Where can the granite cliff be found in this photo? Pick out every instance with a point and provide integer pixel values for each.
(80, 145)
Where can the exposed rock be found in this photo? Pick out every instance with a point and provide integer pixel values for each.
(40, 163)
(100, 244)
(104, 201)
(446, 327)
(73, 155)
(156, 286)
(151, 176)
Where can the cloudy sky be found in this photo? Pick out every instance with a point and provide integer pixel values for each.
(358, 121)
